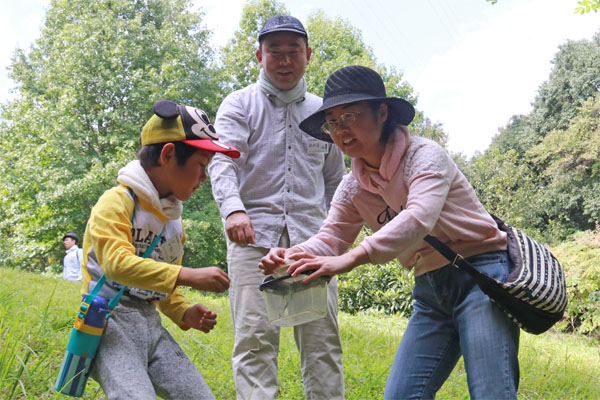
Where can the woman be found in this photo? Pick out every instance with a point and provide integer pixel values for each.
(405, 187)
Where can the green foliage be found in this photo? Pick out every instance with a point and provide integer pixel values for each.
(85, 89)
(575, 77)
(205, 244)
(385, 288)
(580, 259)
(503, 184)
(587, 6)
(335, 44)
(571, 157)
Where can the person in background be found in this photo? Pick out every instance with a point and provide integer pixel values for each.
(276, 194)
(405, 187)
(73, 258)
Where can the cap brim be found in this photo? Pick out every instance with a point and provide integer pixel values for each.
(399, 109)
(213, 145)
(283, 29)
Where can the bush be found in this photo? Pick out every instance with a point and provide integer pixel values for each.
(205, 245)
(580, 259)
(385, 288)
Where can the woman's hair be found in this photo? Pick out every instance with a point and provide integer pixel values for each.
(388, 126)
(150, 154)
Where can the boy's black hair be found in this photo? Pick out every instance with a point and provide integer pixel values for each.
(150, 154)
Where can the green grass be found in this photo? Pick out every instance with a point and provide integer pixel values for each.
(36, 316)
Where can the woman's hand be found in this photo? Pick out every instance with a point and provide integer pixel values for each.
(326, 265)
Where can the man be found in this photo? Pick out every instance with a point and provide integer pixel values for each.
(275, 194)
(72, 261)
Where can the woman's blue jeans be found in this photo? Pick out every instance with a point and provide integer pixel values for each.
(453, 317)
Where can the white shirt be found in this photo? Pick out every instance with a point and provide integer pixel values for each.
(72, 264)
(284, 177)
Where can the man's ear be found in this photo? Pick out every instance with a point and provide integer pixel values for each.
(167, 154)
(259, 57)
(308, 53)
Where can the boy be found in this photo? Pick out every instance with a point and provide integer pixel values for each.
(137, 357)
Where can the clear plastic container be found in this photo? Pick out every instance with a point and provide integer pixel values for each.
(291, 302)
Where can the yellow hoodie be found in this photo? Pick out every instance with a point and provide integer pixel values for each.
(113, 245)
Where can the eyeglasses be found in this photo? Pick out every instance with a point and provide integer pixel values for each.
(344, 121)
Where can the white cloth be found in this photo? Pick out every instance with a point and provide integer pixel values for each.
(72, 264)
(256, 345)
(135, 177)
(287, 96)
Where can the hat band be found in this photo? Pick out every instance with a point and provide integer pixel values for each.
(346, 98)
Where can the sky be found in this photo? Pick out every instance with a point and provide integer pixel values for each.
(472, 65)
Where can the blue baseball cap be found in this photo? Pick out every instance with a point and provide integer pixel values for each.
(282, 23)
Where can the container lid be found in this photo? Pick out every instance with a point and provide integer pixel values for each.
(270, 281)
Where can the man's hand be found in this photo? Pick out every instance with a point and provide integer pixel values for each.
(239, 228)
(200, 317)
(272, 260)
(211, 279)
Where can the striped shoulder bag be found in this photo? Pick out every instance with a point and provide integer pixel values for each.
(534, 294)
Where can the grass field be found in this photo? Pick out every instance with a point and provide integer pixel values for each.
(37, 312)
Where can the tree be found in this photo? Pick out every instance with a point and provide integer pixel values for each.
(575, 77)
(84, 90)
(572, 159)
(504, 186)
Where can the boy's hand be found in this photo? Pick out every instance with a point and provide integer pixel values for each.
(211, 279)
(200, 317)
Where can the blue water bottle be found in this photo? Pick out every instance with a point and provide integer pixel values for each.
(91, 319)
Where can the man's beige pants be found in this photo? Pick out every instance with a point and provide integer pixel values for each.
(257, 341)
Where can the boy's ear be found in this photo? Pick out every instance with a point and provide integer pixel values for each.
(167, 154)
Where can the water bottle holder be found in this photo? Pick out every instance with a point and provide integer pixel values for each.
(91, 330)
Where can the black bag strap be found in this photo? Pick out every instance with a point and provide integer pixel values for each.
(455, 259)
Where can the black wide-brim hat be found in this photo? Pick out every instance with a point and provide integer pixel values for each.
(352, 84)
